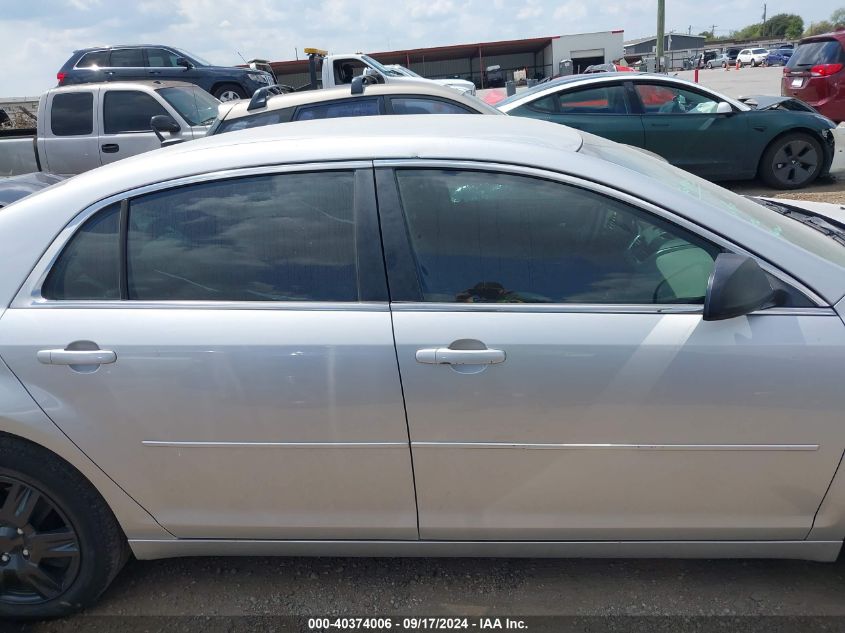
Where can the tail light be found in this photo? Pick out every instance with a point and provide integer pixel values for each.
(825, 70)
(61, 77)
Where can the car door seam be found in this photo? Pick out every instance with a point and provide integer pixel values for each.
(395, 350)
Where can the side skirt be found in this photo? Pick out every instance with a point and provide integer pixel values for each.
(823, 551)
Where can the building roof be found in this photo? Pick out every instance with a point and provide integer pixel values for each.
(643, 40)
(438, 53)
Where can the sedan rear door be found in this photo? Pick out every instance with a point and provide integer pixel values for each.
(222, 348)
(559, 380)
(603, 109)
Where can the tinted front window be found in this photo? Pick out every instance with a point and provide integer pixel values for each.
(72, 114)
(666, 99)
(129, 111)
(497, 238)
(161, 58)
(417, 105)
(288, 237)
(89, 266)
(349, 107)
(95, 58)
(602, 100)
(195, 105)
(127, 58)
(812, 53)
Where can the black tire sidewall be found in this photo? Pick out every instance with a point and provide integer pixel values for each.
(69, 491)
(766, 170)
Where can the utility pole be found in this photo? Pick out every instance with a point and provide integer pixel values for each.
(764, 13)
(661, 27)
(689, 30)
(713, 31)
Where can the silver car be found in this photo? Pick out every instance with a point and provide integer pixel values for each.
(424, 336)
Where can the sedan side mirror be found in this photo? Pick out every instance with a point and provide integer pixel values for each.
(161, 123)
(181, 61)
(737, 286)
(724, 108)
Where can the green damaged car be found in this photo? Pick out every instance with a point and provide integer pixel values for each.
(781, 140)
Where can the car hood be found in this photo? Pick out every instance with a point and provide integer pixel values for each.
(831, 211)
(768, 102)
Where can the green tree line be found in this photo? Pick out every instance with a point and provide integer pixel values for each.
(786, 26)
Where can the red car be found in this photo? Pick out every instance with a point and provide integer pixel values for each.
(816, 74)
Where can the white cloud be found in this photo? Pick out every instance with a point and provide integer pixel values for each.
(36, 38)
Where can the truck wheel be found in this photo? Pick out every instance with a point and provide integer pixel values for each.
(229, 92)
(791, 161)
(60, 545)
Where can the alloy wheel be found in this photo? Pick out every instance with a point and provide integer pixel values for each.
(39, 548)
(229, 95)
(795, 162)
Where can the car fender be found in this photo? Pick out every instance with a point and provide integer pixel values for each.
(21, 417)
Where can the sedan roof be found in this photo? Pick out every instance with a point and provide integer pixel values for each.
(309, 97)
(518, 141)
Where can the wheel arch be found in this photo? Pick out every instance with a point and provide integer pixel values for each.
(21, 419)
(816, 134)
(227, 82)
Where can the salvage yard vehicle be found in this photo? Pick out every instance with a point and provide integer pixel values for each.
(816, 74)
(461, 85)
(148, 62)
(82, 127)
(362, 99)
(778, 57)
(202, 349)
(693, 127)
(752, 56)
(719, 61)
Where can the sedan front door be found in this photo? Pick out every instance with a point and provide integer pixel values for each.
(683, 126)
(223, 350)
(560, 383)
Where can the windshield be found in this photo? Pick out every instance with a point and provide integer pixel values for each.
(195, 105)
(812, 53)
(196, 58)
(384, 70)
(408, 72)
(767, 219)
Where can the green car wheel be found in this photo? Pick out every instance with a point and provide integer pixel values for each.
(791, 161)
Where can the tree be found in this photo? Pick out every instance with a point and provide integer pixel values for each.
(837, 18)
(707, 34)
(750, 32)
(783, 25)
(816, 28)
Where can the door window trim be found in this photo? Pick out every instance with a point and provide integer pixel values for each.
(372, 280)
(388, 100)
(404, 281)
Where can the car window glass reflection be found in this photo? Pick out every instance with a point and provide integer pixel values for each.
(496, 238)
(288, 237)
(663, 99)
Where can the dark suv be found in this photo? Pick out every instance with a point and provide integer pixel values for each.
(132, 63)
(816, 74)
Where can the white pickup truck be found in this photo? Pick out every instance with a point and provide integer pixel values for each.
(84, 126)
(330, 71)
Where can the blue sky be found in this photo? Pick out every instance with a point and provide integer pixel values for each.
(37, 36)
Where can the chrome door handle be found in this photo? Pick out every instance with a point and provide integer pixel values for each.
(448, 356)
(76, 357)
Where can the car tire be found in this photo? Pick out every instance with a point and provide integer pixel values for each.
(229, 92)
(709, 66)
(791, 161)
(60, 544)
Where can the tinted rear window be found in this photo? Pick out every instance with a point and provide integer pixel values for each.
(72, 114)
(95, 58)
(812, 53)
(127, 58)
